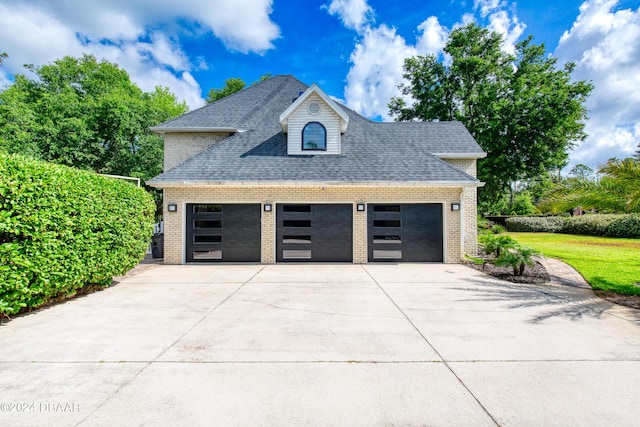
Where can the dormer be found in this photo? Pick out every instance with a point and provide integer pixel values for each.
(314, 124)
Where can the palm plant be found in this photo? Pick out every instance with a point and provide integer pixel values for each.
(617, 190)
(517, 258)
(497, 244)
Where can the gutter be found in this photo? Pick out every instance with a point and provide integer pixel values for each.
(451, 184)
(463, 156)
(166, 129)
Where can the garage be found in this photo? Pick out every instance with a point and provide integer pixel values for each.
(405, 232)
(223, 233)
(314, 232)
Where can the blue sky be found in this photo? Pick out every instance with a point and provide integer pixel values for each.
(353, 49)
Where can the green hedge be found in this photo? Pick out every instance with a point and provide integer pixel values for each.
(550, 224)
(62, 229)
(623, 225)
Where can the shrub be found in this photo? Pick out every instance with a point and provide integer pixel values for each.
(550, 224)
(591, 225)
(620, 225)
(62, 229)
(625, 226)
(497, 244)
(517, 258)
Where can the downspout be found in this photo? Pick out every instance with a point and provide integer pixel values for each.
(462, 237)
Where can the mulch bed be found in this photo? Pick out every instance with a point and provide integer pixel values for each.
(537, 274)
(632, 301)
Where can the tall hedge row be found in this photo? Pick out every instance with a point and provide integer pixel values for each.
(62, 229)
(622, 225)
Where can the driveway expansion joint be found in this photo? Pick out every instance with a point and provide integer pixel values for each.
(426, 340)
(142, 369)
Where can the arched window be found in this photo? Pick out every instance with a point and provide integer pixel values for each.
(314, 137)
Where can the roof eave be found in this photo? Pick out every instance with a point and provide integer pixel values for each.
(186, 183)
(167, 129)
(464, 156)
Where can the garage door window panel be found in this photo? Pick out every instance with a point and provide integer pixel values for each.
(387, 239)
(296, 239)
(203, 238)
(387, 223)
(387, 208)
(207, 224)
(207, 255)
(207, 208)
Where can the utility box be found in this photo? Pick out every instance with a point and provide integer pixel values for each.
(157, 245)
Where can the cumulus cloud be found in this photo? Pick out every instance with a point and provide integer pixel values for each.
(433, 36)
(379, 54)
(498, 19)
(377, 68)
(354, 14)
(603, 43)
(126, 32)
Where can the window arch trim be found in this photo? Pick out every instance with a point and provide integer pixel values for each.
(313, 131)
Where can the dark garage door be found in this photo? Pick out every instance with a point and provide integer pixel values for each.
(223, 233)
(314, 233)
(405, 232)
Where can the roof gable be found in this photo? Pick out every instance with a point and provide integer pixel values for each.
(313, 89)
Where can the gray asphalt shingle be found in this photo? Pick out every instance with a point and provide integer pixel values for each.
(371, 151)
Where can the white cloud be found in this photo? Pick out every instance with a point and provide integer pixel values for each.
(604, 45)
(354, 14)
(434, 37)
(243, 25)
(379, 54)
(487, 7)
(498, 19)
(509, 26)
(377, 68)
(126, 32)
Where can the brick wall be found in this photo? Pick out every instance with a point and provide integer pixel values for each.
(174, 222)
(465, 165)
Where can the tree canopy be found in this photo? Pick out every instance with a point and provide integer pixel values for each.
(523, 110)
(232, 85)
(87, 114)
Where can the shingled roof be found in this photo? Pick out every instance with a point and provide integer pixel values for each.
(372, 152)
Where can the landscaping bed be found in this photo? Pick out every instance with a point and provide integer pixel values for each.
(534, 274)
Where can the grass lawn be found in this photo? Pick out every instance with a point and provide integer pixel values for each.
(608, 264)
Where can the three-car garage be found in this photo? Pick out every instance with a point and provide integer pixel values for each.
(307, 232)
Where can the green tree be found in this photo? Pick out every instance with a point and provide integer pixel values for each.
(581, 171)
(232, 85)
(3, 56)
(87, 114)
(523, 111)
(617, 189)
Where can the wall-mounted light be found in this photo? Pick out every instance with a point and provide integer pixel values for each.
(455, 206)
(267, 207)
(360, 207)
(172, 207)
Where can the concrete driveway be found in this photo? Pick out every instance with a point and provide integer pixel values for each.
(412, 344)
